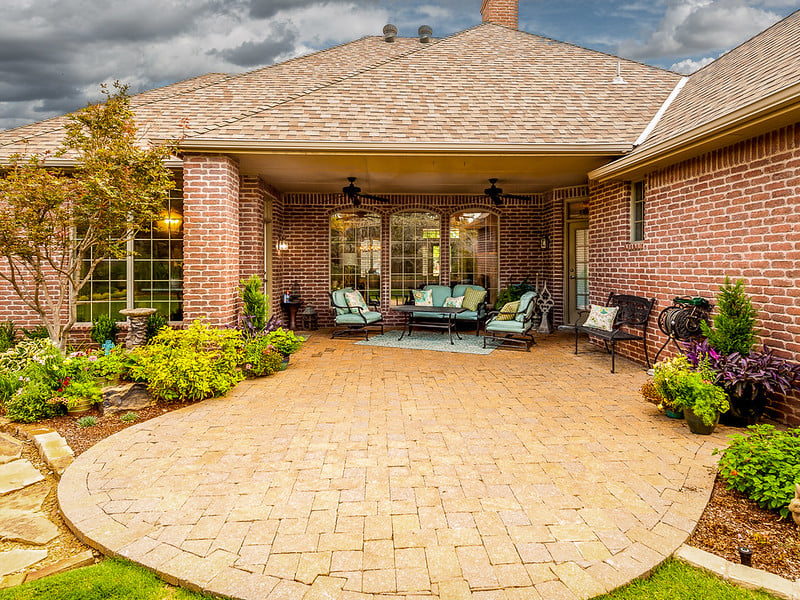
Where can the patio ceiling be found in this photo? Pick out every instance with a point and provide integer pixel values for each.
(417, 169)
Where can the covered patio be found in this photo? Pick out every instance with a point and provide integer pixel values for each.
(365, 473)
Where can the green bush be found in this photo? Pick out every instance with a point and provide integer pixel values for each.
(683, 388)
(8, 335)
(155, 323)
(255, 302)
(260, 358)
(734, 325)
(129, 417)
(190, 364)
(284, 341)
(30, 372)
(114, 365)
(763, 464)
(104, 328)
(37, 333)
(31, 403)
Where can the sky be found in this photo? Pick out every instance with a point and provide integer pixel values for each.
(55, 54)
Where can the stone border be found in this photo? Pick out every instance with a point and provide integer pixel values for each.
(740, 575)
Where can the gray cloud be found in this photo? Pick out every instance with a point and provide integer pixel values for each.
(266, 51)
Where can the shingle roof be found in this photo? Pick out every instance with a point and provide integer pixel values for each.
(760, 67)
(488, 84)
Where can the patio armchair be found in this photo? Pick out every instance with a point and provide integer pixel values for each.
(516, 326)
(353, 319)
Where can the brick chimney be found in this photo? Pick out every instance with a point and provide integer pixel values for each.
(502, 12)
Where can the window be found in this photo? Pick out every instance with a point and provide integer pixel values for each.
(150, 278)
(474, 250)
(356, 252)
(637, 211)
(415, 251)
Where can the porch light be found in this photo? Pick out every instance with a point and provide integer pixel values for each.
(281, 245)
(172, 219)
(544, 241)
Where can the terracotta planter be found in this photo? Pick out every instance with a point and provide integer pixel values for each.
(696, 424)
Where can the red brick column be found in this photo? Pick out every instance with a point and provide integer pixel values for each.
(210, 239)
(502, 12)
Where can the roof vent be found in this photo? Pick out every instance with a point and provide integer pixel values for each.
(425, 34)
(618, 79)
(389, 33)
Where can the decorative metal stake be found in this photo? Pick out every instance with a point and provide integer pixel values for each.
(545, 303)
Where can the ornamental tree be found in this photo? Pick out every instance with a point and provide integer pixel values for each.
(52, 220)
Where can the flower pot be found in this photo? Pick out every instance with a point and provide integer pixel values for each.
(79, 407)
(284, 362)
(696, 424)
(747, 404)
(674, 414)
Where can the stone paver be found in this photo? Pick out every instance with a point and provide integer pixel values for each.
(10, 448)
(362, 472)
(18, 474)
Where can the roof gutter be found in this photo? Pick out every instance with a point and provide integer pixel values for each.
(775, 111)
(244, 146)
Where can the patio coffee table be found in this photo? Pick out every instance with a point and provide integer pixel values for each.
(449, 322)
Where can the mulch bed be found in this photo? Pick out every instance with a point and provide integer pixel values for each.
(729, 521)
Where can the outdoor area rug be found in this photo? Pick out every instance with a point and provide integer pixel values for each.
(432, 340)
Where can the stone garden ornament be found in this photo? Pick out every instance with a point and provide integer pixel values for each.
(794, 505)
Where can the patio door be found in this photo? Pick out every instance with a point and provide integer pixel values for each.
(577, 268)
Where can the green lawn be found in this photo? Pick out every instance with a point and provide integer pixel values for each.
(120, 580)
(107, 580)
(675, 580)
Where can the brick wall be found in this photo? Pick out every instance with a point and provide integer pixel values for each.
(211, 238)
(735, 212)
(305, 220)
(502, 12)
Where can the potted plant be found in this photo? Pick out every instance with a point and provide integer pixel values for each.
(693, 391)
(284, 341)
(651, 394)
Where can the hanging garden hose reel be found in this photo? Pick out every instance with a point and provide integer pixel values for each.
(681, 321)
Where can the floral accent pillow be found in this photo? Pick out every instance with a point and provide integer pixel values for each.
(508, 312)
(423, 297)
(452, 302)
(602, 317)
(355, 301)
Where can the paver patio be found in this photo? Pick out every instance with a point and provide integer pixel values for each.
(375, 473)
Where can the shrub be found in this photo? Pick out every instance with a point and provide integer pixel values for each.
(512, 293)
(763, 464)
(191, 364)
(104, 328)
(260, 358)
(284, 341)
(114, 365)
(31, 402)
(255, 302)
(129, 417)
(8, 335)
(87, 421)
(37, 333)
(155, 323)
(734, 325)
(684, 388)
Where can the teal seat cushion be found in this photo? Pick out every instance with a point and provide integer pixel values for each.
(440, 293)
(461, 288)
(340, 299)
(352, 319)
(429, 315)
(507, 326)
(526, 303)
(467, 315)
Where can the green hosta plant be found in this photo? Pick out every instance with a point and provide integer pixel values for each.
(763, 464)
(190, 364)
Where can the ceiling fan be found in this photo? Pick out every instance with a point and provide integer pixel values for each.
(496, 195)
(353, 193)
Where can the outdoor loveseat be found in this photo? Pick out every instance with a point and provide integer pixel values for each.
(439, 295)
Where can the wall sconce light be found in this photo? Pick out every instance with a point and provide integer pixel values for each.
(544, 241)
(281, 245)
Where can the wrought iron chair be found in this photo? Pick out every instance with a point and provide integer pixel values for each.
(516, 328)
(353, 319)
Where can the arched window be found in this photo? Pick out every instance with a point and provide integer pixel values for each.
(416, 248)
(356, 252)
(474, 250)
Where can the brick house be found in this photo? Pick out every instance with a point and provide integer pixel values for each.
(628, 178)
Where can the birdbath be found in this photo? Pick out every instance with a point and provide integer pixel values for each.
(137, 329)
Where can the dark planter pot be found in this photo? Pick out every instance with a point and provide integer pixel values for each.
(284, 362)
(696, 424)
(747, 404)
(674, 414)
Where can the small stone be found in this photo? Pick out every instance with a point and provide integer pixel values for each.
(10, 448)
(17, 475)
(16, 560)
(126, 397)
(27, 527)
(83, 559)
(54, 451)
